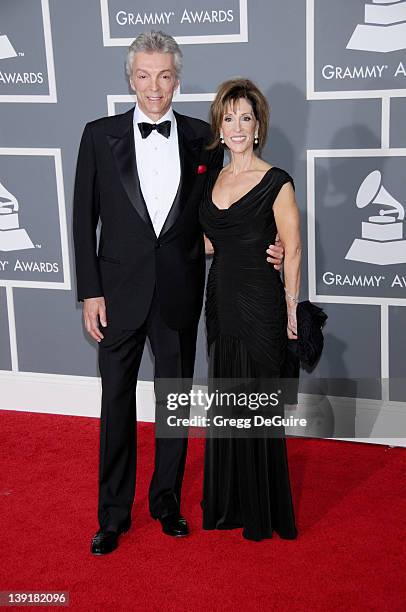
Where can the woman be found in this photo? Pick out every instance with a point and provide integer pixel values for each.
(249, 313)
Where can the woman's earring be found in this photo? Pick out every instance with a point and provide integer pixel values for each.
(256, 138)
(221, 138)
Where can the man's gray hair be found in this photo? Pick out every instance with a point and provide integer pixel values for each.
(154, 42)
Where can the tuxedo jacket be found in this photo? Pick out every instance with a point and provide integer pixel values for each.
(130, 262)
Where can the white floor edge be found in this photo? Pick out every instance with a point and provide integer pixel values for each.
(80, 396)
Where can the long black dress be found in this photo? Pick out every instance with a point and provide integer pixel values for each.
(246, 481)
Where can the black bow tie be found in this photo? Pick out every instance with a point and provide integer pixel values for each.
(163, 128)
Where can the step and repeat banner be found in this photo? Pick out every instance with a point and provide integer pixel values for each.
(335, 76)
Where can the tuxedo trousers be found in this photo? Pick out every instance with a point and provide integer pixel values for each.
(120, 354)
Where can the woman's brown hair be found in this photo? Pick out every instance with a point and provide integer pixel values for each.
(227, 94)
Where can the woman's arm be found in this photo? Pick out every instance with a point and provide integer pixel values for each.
(288, 223)
(208, 247)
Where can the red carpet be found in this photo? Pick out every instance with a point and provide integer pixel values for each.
(350, 509)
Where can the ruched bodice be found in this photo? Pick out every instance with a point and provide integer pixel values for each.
(245, 296)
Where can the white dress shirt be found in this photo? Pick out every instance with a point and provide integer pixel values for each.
(158, 166)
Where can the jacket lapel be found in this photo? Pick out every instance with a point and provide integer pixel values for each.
(122, 146)
(121, 141)
(188, 155)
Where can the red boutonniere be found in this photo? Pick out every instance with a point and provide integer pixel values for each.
(201, 169)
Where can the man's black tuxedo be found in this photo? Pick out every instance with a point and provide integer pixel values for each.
(131, 260)
(153, 288)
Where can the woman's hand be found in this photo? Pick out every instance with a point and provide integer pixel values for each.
(292, 324)
(288, 224)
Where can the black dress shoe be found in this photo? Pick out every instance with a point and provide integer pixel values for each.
(105, 541)
(174, 525)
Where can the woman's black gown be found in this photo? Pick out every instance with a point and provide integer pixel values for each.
(246, 481)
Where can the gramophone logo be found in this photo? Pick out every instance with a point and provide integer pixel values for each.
(384, 27)
(362, 55)
(382, 241)
(27, 71)
(6, 48)
(12, 236)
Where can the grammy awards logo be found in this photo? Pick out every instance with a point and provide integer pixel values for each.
(382, 241)
(12, 237)
(6, 48)
(384, 29)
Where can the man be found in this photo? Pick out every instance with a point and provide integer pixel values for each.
(142, 175)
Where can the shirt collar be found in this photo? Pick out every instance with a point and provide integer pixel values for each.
(139, 116)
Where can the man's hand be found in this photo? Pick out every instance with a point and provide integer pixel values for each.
(276, 253)
(94, 310)
(208, 247)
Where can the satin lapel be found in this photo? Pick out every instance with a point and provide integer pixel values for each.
(123, 149)
(188, 157)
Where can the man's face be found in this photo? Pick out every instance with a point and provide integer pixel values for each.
(154, 81)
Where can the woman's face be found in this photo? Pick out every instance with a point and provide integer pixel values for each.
(239, 126)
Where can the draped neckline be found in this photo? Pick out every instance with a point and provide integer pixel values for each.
(249, 192)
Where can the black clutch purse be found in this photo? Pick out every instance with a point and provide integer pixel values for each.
(310, 340)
